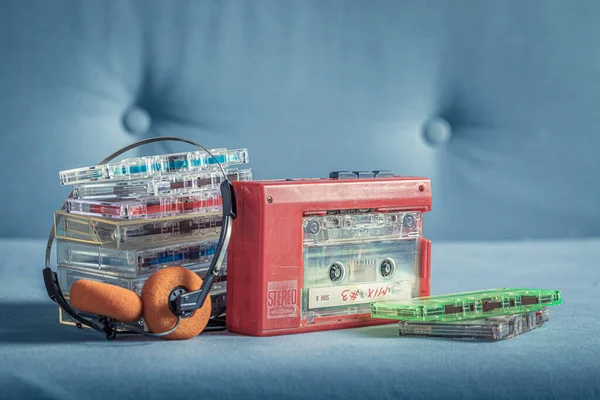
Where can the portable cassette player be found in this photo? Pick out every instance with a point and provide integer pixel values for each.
(313, 254)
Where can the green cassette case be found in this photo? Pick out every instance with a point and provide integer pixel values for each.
(467, 305)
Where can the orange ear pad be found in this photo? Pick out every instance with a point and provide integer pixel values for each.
(157, 313)
(107, 300)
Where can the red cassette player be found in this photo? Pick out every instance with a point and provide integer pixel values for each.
(313, 254)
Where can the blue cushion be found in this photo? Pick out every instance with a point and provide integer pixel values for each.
(315, 86)
(41, 359)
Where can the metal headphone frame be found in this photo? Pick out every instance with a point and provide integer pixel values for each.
(182, 305)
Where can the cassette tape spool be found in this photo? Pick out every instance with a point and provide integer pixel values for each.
(150, 207)
(468, 305)
(146, 167)
(162, 185)
(127, 234)
(137, 262)
(354, 258)
(67, 276)
(492, 328)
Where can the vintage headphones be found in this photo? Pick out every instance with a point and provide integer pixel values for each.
(175, 302)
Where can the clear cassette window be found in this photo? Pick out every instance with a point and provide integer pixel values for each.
(354, 258)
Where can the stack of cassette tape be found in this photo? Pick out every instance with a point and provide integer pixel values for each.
(127, 219)
(494, 314)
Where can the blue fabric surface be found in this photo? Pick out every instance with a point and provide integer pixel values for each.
(43, 360)
(314, 86)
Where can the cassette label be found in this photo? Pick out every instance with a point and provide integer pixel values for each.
(282, 299)
(357, 294)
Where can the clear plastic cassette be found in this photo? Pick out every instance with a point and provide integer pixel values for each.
(492, 328)
(347, 266)
(150, 207)
(218, 301)
(162, 185)
(68, 276)
(146, 167)
(339, 227)
(127, 234)
(135, 262)
(468, 305)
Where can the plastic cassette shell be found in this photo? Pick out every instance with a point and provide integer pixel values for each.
(353, 259)
(127, 234)
(491, 328)
(162, 185)
(218, 301)
(67, 276)
(266, 249)
(467, 305)
(146, 167)
(136, 262)
(209, 201)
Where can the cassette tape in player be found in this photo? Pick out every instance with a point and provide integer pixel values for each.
(313, 254)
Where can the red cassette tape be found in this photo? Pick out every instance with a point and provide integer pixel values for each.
(313, 254)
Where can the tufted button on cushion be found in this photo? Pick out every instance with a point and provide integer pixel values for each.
(437, 132)
(137, 120)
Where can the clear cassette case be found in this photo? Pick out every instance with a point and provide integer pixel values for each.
(492, 328)
(352, 260)
(146, 167)
(151, 207)
(161, 185)
(127, 234)
(357, 226)
(135, 262)
(68, 276)
(468, 305)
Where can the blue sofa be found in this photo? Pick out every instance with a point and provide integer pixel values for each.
(496, 102)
